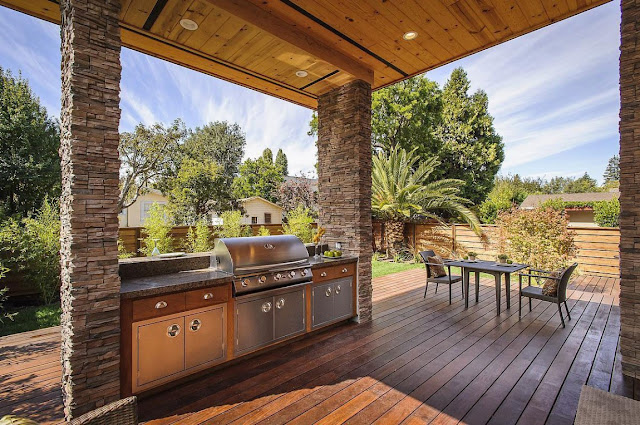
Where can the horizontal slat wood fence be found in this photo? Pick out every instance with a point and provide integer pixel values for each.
(597, 247)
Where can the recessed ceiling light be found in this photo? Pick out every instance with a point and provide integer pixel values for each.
(302, 73)
(410, 35)
(188, 24)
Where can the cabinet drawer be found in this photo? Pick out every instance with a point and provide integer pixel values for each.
(207, 296)
(162, 305)
(334, 272)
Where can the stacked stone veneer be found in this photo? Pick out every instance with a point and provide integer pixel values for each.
(344, 177)
(630, 188)
(89, 151)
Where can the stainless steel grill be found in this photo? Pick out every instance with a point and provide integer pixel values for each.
(263, 262)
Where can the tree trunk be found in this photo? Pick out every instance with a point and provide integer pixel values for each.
(394, 234)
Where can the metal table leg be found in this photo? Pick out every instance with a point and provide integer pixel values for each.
(497, 276)
(465, 283)
(507, 288)
(477, 285)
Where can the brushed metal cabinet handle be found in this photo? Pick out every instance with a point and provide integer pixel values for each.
(195, 325)
(173, 330)
(344, 270)
(207, 296)
(323, 274)
(338, 289)
(327, 293)
(266, 307)
(280, 303)
(161, 304)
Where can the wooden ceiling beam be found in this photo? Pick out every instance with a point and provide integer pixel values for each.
(283, 30)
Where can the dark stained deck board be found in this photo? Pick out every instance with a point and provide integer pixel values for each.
(418, 361)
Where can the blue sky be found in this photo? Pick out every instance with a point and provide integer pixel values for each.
(553, 93)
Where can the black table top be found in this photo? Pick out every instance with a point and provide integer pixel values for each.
(486, 266)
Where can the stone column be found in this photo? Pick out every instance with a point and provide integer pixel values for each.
(90, 290)
(630, 188)
(344, 177)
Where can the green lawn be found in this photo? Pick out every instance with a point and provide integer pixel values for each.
(382, 268)
(31, 318)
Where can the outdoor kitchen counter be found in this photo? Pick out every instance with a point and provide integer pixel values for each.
(174, 282)
(317, 263)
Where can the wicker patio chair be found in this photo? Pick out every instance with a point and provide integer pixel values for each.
(121, 412)
(449, 279)
(536, 292)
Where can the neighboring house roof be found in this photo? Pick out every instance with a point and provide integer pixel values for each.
(532, 201)
(259, 198)
(312, 182)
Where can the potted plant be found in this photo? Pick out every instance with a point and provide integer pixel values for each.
(502, 258)
(472, 255)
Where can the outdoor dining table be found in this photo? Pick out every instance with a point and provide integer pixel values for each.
(490, 267)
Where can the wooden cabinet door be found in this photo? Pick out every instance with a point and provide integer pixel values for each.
(343, 298)
(205, 337)
(160, 350)
(322, 304)
(254, 323)
(289, 313)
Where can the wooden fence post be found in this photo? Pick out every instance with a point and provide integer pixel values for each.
(453, 238)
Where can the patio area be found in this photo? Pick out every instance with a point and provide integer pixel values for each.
(417, 361)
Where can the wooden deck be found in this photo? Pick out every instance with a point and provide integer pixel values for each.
(418, 361)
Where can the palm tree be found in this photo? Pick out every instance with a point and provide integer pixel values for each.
(401, 190)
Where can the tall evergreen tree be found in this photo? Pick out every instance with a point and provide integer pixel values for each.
(472, 150)
(282, 162)
(29, 142)
(258, 177)
(612, 173)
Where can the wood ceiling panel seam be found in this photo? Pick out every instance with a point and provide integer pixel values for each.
(196, 14)
(490, 18)
(511, 12)
(138, 12)
(224, 33)
(210, 25)
(377, 21)
(238, 42)
(551, 5)
(439, 12)
(247, 11)
(340, 40)
(432, 44)
(378, 46)
(234, 67)
(467, 17)
(534, 11)
(245, 57)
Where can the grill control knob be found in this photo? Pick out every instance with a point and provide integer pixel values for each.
(262, 279)
(278, 276)
(243, 283)
(292, 273)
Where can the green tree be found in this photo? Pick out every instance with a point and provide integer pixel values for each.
(29, 142)
(258, 177)
(571, 185)
(199, 240)
(198, 190)
(232, 226)
(472, 150)
(298, 191)
(282, 162)
(149, 155)
(612, 173)
(405, 115)
(402, 190)
(299, 223)
(507, 192)
(157, 230)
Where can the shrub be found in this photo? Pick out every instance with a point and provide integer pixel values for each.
(32, 246)
(538, 237)
(3, 298)
(199, 240)
(232, 226)
(157, 231)
(556, 204)
(299, 223)
(607, 213)
(263, 231)
(122, 251)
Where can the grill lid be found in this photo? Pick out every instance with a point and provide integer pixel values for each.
(252, 254)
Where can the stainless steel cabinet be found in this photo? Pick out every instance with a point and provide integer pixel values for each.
(332, 301)
(160, 348)
(289, 314)
(266, 317)
(205, 340)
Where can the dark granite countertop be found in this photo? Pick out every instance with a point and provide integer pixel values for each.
(173, 282)
(324, 262)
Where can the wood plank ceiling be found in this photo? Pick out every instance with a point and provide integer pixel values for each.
(261, 44)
